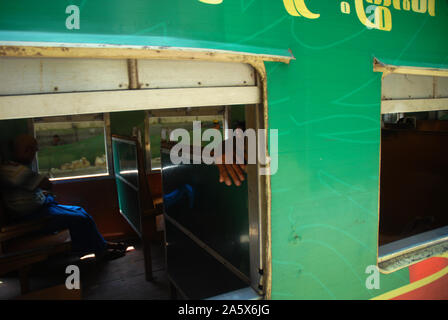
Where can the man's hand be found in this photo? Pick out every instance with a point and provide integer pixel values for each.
(231, 172)
(234, 171)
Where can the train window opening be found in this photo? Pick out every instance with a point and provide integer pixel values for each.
(413, 223)
(72, 146)
(167, 96)
(198, 215)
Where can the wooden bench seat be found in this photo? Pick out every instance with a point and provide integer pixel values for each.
(21, 246)
(52, 243)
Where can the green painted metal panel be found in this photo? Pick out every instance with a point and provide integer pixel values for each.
(325, 104)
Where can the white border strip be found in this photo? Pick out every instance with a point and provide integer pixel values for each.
(45, 105)
(413, 105)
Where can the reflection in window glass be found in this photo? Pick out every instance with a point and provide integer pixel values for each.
(126, 155)
(71, 148)
(161, 127)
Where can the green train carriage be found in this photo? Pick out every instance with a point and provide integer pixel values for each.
(357, 91)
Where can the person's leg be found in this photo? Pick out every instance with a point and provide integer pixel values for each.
(96, 235)
(83, 231)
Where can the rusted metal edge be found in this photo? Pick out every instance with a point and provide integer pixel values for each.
(74, 50)
(379, 66)
(411, 257)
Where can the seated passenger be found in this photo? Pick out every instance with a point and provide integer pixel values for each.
(25, 194)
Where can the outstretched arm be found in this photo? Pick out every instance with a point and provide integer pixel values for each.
(232, 171)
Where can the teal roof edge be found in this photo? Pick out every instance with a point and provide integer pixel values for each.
(137, 40)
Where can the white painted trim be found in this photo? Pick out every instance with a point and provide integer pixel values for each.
(413, 105)
(170, 74)
(44, 105)
(64, 75)
(59, 75)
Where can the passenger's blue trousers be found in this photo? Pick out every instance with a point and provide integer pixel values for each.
(83, 231)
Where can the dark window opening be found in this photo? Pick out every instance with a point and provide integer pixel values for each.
(414, 174)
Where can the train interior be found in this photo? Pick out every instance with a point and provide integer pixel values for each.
(413, 171)
(79, 156)
(102, 127)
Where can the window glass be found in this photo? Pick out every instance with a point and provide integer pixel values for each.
(71, 148)
(160, 129)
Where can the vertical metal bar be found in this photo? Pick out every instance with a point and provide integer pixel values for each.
(133, 74)
(147, 142)
(254, 210)
(32, 132)
(108, 143)
(264, 193)
(261, 181)
(226, 121)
